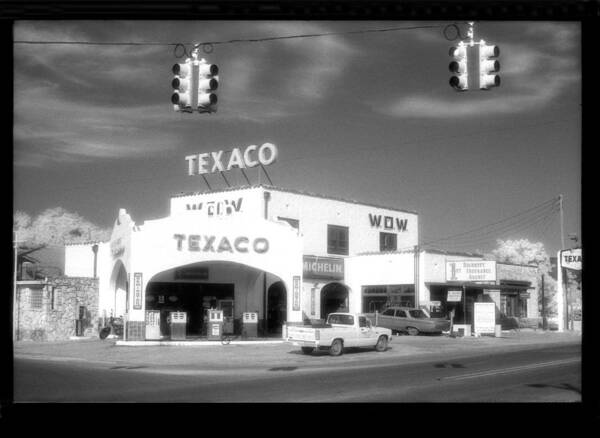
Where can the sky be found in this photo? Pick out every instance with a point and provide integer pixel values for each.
(366, 116)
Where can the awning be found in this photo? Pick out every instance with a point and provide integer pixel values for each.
(522, 286)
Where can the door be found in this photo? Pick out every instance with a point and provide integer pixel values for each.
(402, 321)
(365, 334)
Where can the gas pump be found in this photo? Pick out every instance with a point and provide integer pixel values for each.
(227, 307)
(250, 325)
(178, 325)
(215, 324)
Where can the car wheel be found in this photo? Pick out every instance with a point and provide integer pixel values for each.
(336, 347)
(381, 344)
(412, 331)
(307, 350)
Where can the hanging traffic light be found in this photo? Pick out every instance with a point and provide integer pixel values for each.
(460, 80)
(183, 86)
(488, 66)
(208, 82)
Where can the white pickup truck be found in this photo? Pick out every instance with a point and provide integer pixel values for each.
(340, 331)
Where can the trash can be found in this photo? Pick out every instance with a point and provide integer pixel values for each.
(178, 325)
(250, 325)
(215, 324)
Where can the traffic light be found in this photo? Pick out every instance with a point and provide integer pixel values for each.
(459, 67)
(183, 85)
(488, 66)
(208, 82)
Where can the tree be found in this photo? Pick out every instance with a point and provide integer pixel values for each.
(56, 226)
(524, 252)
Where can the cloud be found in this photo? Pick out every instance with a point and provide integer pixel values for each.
(50, 129)
(303, 71)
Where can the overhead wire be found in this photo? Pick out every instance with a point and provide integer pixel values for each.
(544, 205)
(487, 240)
(500, 233)
(503, 230)
(231, 41)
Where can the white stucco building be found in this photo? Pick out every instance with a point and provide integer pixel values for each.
(286, 255)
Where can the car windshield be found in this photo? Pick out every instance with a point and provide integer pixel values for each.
(341, 319)
(418, 313)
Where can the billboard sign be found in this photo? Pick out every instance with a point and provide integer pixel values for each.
(329, 268)
(484, 318)
(471, 270)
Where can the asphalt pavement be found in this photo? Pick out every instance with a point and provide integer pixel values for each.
(241, 356)
(446, 370)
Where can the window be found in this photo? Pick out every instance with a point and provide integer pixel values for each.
(388, 242)
(341, 319)
(52, 298)
(293, 222)
(400, 313)
(337, 240)
(417, 313)
(362, 321)
(388, 312)
(35, 298)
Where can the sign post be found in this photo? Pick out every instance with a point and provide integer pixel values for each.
(567, 259)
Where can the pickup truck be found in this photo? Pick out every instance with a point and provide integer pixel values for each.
(340, 331)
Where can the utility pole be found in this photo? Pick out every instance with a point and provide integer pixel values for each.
(544, 320)
(562, 270)
(562, 234)
(15, 304)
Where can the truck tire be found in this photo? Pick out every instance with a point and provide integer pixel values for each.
(336, 348)
(382, 343)
(412, 331)
(307, 350)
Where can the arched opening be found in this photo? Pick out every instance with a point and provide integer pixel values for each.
(276, 307)
(334, 298)
(120, 288)
(195, 288)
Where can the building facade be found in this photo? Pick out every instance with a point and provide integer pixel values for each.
(284, 255)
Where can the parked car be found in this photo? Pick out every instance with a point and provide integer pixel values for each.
(409, 320)
(341, 330)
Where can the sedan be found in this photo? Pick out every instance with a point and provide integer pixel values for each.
(410, 320)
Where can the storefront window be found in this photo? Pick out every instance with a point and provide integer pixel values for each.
(337, 239)
(380, 297)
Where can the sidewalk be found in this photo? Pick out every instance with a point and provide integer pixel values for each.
(240, 354)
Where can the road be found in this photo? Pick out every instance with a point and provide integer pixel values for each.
(550, 373)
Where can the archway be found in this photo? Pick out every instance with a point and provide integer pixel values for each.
(120, 287)
(334, 298)
(196, 287)
(276, 307)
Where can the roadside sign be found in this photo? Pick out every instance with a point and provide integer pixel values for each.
(571, 259)
(454, 296)
(484, 317)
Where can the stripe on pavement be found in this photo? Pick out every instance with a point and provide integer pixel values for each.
(511, 369)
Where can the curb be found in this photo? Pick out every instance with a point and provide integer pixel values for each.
(190, 343)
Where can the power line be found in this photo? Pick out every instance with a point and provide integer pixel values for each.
(506, 228)
(543, 205)
(523, 227)
(485, 239)
(232, 41)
